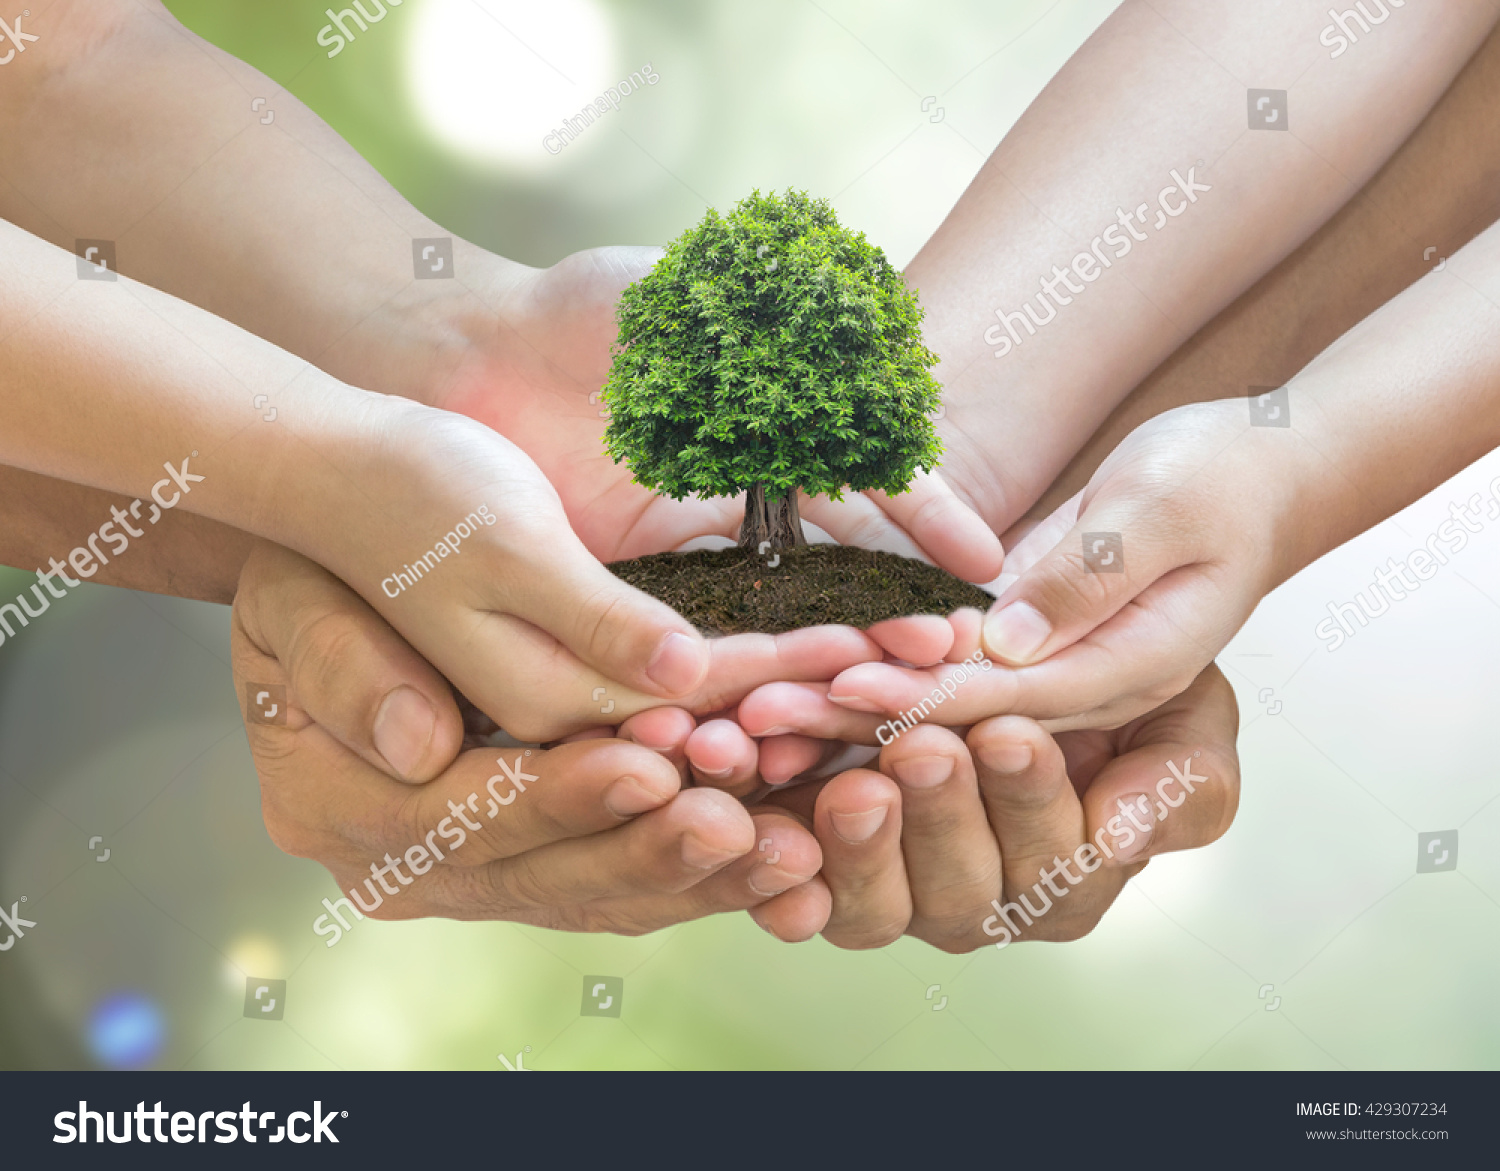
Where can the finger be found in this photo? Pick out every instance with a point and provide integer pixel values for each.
(724, 757)
(561, 695)
(1028, 541)
(1176, 787)
(949, 531)
(858, 823)
(965, 625)
(1052, 890)
(797, 915)
(777, 709)
(744, 662)
(952, 694)
(786, 858)
(952, 859)
(1112, 554)
(784, 758)
(1136, 661)
(497, 803)
(665, 851)
(612, 628)
(296, 625)
(922, 639)
(663, 729)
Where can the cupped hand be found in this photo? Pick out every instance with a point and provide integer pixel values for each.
(368, 776)
(1117, 601)
(535, 378)
(1009, 834)
(512, 608)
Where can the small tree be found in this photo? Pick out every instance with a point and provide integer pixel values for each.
(771, 350)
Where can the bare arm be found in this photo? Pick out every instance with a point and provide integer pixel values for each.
(187, 556)
(283, 228)
(1104, 164)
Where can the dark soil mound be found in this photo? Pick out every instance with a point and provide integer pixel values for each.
(733, 591)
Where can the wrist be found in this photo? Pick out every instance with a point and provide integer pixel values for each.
(436, 332)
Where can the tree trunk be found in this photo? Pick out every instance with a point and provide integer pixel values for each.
(774, 519)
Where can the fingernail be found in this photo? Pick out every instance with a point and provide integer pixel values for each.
(701, 856)
(1008, 756)
(1016, 633)
(1135, 811)
(924, 772)
(664, 749)
(855, 703)
(627, 797)
(403, 729)
(715, 774)
(766, 880)
(778, 730)
(678, 664)
(856, 828)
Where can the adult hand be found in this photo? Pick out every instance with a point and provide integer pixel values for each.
(367, 776)
(535, 378)
(1011, 834)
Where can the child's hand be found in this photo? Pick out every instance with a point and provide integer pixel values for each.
(454, 536)
(1120, 599)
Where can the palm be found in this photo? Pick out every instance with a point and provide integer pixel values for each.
(536, 381)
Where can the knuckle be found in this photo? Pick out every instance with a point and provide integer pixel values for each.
(867, 937)
(399, 819)
(1073, 587)
(517, 881)
(322, 651)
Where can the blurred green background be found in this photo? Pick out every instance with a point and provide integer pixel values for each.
(1304, 939)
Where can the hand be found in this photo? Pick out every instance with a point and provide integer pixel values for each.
(517, 614)
(535, 378)
(950, 836)
(1204, 507)
(590, 836)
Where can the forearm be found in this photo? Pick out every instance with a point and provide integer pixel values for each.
(281, 228)
(1402, 402)
(1396, 230)
(120, 387)
(46, 520)
(1139, 101)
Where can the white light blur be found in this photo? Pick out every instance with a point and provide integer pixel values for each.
(490, 78)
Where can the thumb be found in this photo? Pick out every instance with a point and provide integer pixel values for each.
(612, 627)
(1087, 577)
(296, 625)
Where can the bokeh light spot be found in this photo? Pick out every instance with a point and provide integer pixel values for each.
(492, 77)
(126, 1031)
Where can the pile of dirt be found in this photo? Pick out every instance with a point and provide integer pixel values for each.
(734, 591)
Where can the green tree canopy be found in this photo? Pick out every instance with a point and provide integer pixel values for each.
(771, 348)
